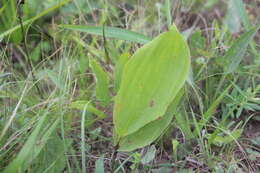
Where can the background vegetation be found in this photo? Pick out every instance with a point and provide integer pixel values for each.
(57, 56)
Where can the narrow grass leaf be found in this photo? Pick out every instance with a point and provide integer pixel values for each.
(42, 143)
(168, 13)
(99, 165)
(83, 149)
(18, 164)
(8, 20)
(111, 32)
(232, 18)
(45, 137)
(211, 110)
(241, 12)
(2, 9)
(80, 104)
(237, 51)
(29, 21)
(234, 135)
(149, 155)
(102, 83)
(184, 125)
(10, 120)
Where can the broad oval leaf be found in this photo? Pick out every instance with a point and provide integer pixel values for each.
(150, 132)
(119, 67)
(151, 79)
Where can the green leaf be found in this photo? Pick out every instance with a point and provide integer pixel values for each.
(51, 158)
(45, 137)
(80, 104)
(120, 64)
(111, 32)
(256, 140)
(234, 135)
(241, 12)
(168, 13)
(151, 80)
(102, 83)
(150, 132)
(20, 162)
(3, 8)
(8, 19)
(175, 144)
(29, 21)
(212, 108)
(185, 171)
(83, 149)
(232, 18)
(145, 135)
(99, 165)
(183, 123)
(253, 154)
(237, 51)
(197, 43)
(149, 155)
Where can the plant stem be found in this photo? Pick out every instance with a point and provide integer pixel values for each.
(26, 49)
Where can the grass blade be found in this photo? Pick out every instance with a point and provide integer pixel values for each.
(99, 165)
(168, 13)
(80, 104)
(241, 11)
(28, 21)
(18, 164)
(111, 32)
(102, 83)
(237, 51)
(83, 155)
(210, 112)
(7, 125)
(233, 19)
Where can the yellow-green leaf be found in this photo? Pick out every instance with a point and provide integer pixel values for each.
(120, 64)
(151, 80)
(150, 132)
(90, 108)
(238, 49)
(232, 136)
(102, 83)
(111, 32)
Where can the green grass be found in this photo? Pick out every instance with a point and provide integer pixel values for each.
(57, 86)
